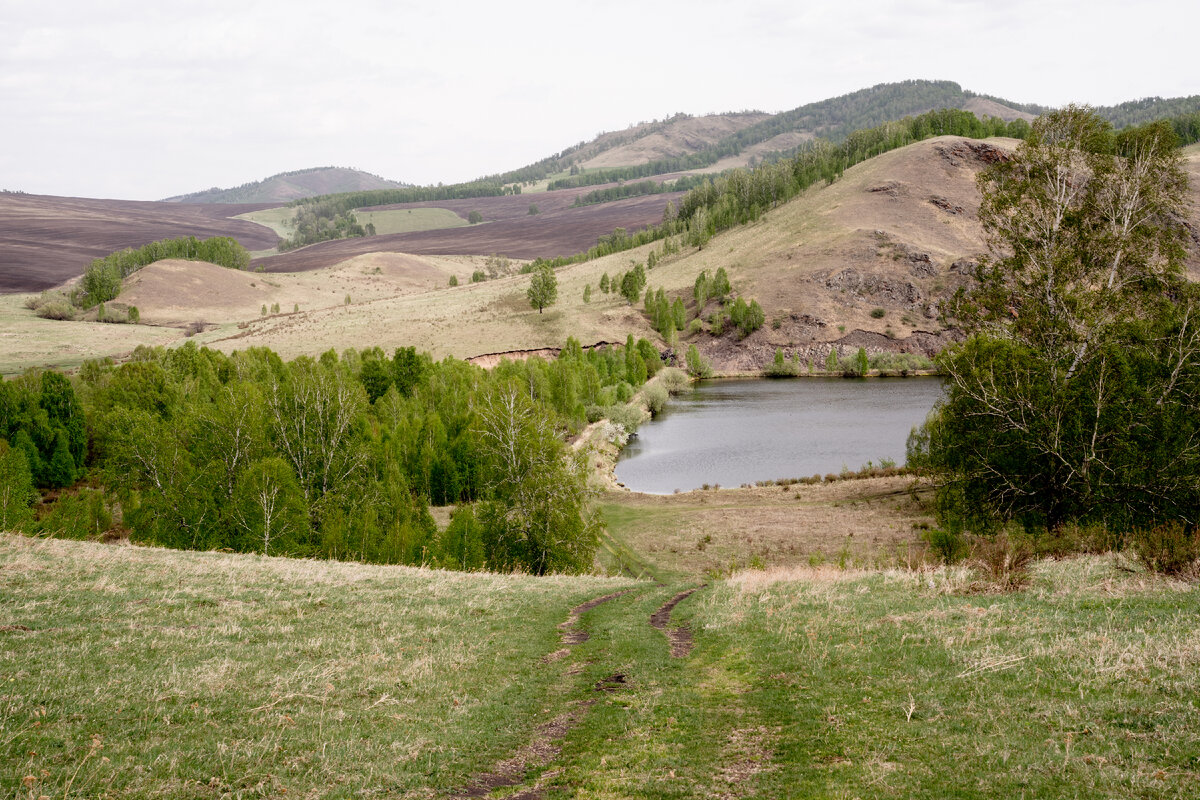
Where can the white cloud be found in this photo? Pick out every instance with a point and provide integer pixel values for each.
(146, 100)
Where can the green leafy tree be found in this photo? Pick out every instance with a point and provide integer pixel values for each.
(269, 510)
(632, 283)
(543, 288)
(587, 293)
(536, 516)
(474, 217)
(861, 363)
(61, 469)
(697, 365)
(16, 489)
(1077, 395)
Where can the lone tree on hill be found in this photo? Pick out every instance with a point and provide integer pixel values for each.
(1077, 395)
(543, 288)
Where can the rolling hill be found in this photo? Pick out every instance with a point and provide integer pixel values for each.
(288, 186)
(896, 234)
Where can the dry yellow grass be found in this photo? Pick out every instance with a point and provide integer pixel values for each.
(27, 341)
(848, 523)
(794, 261)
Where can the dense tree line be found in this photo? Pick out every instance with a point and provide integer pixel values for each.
(1148, 109)
(103, 277)
(639, 189)
(336, 457)
(1187, 128)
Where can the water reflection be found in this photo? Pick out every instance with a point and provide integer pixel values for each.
(741, 431)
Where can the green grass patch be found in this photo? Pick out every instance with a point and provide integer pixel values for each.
(138, 672)
(832, 684)
(279, 219)
(134, 672)
(407, 220)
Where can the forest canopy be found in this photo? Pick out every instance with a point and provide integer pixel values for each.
(335, 457)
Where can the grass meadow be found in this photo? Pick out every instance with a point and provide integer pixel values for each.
(134, 672)
(139, 672)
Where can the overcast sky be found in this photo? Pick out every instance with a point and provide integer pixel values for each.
(143, 100)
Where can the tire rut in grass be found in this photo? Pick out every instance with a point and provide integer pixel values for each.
(548, 737)
(572, 634)
(680, 637)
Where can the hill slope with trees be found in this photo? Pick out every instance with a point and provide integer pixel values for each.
(288, 186)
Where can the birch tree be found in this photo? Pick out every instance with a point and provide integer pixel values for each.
(1076, 394)
(536, 516)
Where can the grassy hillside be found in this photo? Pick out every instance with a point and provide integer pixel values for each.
(133, 672)
(896, 233)
(293, 185)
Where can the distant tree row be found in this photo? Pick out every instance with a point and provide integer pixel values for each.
(638, 189)
(103, 277)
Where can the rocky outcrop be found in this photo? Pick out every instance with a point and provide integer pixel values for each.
(884, 289)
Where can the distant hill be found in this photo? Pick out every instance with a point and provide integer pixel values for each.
(721, 141)
(288, 186)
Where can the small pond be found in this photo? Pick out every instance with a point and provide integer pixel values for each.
(731, 432)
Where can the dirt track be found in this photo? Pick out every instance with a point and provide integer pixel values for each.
(47, 240)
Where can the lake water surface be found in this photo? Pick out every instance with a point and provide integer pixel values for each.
(731, 432)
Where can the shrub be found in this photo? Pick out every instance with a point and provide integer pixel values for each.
(673, 379)
(947, 545)
(56, 309)
(899, 363)
(695, 326)
(781, 367)
(1169, 549)
(478, 276)
(82, 515)
(656, 397)
(1002, 561)
(454, 280)
(628, 417)
(877, 313)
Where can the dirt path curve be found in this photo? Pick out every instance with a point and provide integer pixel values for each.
(680, 637)
(547, 740)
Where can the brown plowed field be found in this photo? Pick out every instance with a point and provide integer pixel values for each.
(47, 240)
(507, 229)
